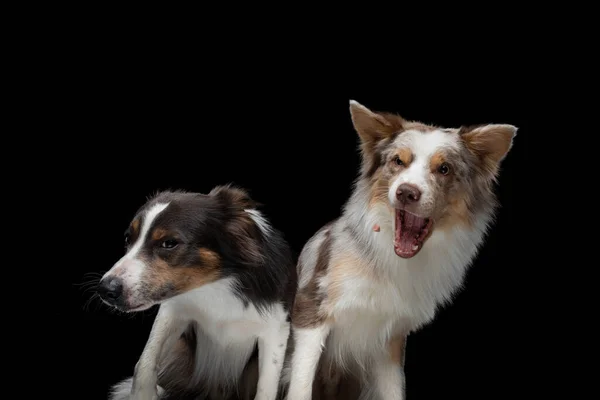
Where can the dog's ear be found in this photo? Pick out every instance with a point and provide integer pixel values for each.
(373, 126)
(234, 196)
(490, 143)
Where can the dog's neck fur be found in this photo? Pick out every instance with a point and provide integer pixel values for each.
(436, 272)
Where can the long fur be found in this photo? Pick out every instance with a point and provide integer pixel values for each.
(224, 290)
(357, 299)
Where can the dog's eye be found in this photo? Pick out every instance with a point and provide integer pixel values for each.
(398, 161)
(444, 169)
(168, 244)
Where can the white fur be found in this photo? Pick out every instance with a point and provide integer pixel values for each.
(271, 354)
(130, 268)
(122, 390)
(308, 259)
(405, 293)
(259, 220)
(309, 345)
(393, 296)
(418, 173)
(227, 330)
(227, 334)
(404, 296)
(147, 221)
(389, 380)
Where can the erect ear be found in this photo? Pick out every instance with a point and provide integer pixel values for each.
(491, 143)
(372, 126)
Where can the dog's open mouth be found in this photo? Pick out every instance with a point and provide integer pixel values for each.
(410, 233)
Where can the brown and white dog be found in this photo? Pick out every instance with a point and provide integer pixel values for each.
(225, 281)
(418, 213)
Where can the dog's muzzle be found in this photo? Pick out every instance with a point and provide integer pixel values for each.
(110, 289)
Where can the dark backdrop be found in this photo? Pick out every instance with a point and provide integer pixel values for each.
(130, 126)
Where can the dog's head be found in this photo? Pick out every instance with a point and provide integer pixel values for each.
(180, 241)
(428, 177)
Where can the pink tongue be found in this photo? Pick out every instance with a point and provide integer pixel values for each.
(408, 228)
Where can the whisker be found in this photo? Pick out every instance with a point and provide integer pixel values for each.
(88, 303)
(93, 274)
(89, 282)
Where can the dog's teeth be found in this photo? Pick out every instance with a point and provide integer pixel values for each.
(415, 247)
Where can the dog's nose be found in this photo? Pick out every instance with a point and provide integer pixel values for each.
(110, 289)
(407, 193)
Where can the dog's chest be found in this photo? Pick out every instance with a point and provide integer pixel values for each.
(409, 290)
(383, 301)
(371, 310)
(222, 316)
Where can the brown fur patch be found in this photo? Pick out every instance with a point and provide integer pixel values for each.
(419, 126)
(405, 155)
(164, 280)
(437, 159)
(159, 233)
(241, 226)
(245, 231)
(209, 258)
(457, 213)
(135, 227)
(490, 143)
(373, 127)
(379, 190)
(307, 312)
(234, 195)
(344, 266)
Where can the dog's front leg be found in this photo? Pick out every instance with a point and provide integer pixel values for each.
(388, 371)
(309, 343)
(165, 332)
(271, 353)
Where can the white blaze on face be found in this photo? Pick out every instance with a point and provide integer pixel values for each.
(423, 146)
(130, 268)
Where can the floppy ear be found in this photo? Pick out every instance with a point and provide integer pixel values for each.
(372, 126)
(490, 143)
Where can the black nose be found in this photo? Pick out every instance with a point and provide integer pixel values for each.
(110, 289)
(408, 193)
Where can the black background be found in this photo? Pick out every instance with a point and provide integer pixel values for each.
(131, 122)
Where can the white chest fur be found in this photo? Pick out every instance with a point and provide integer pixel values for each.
(397, 295)
(222, 316)
(227, 329)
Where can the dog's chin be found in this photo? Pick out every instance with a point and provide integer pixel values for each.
(411, 231)
(138, 307)
(130, 307)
